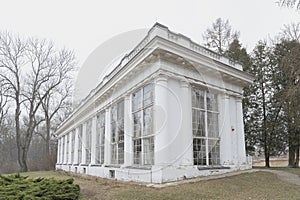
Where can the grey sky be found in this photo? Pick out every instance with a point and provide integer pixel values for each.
(84, 25)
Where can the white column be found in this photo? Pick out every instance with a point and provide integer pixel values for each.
(225, 134)
(61, 150)
(241, 149)
(65, 150)
(160, 120)
(70, 147)
(186, 131)
(128, 157)
(83, 154)
(58, 151)
(76, 143)
(93, 145)
(107, 147)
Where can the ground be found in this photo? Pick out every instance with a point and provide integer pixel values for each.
(255, 184)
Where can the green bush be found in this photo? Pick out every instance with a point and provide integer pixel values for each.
(20, 187)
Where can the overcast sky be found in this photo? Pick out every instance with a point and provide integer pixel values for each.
(84, 25)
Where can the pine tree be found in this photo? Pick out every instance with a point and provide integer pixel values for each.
(262, 111)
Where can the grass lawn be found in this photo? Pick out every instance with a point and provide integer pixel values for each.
(287, 169)
(258, 185)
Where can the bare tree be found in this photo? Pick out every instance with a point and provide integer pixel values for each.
(291, 32)
(219, 36)
(29, 66)
(57, 98)
(3, 104)
(12, 53)
(289, 3)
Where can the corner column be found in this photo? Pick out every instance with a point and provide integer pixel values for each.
(161, 120)
(240, 133)
(225, 124)
(186, 131)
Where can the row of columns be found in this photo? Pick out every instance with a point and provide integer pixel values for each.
(63, 148)
(167, 141)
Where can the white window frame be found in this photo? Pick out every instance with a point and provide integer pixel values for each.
(142, 138)
(88, 142)
(118, 144)
(80, 144)
(72, 145)
(100, 137)
(210, 160)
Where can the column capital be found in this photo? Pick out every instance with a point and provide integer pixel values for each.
(161, 78)
(239, 99)
(127, 97)
(184, 83)
(226, 96)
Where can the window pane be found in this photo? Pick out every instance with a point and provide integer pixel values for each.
(137, 100)
(88, 141)
(198, 123)
(137, 121)
(114, 154)
(148, 123)
(148, 94)
(214, 152)
(149, 151)
(199, 150)
(212, 121)
(121, 153)
(114, 123)
(212, 103)
(80, 144)
(100, 138)
(67, 149)
(120, 121)
(198, 98)
(137, 149)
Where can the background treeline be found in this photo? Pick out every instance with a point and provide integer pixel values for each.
(272, 102)
(35, 96)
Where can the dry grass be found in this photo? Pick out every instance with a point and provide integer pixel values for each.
(259, 185)
(273, 163)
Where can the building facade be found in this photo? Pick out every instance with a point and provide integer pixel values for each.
(170, 110)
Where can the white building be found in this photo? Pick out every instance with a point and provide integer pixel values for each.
(170, 110)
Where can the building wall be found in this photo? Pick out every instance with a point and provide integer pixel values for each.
(172, 126)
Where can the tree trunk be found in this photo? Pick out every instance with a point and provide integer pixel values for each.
(265, 135)
(22, 157)
(48, 128)
(297, 157)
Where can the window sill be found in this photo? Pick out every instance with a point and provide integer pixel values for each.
(96, 165)
(199, 167)
(113, 166)
(139, 167)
